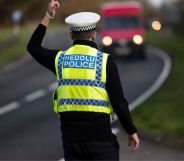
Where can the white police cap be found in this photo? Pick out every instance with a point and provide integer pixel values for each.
(83, 21)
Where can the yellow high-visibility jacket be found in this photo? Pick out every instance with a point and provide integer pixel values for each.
(81, 74)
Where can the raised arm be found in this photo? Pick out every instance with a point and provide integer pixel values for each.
(42, 55)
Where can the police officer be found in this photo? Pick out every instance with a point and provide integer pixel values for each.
(89, 90)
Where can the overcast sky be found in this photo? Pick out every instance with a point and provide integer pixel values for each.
(159, 2)
(156, 2)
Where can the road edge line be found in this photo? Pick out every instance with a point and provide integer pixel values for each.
(157, 84)
(15, 64)
(9, 107)
(160, 80)
(35, 95)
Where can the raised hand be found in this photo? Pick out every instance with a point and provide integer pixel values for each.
(53, 5)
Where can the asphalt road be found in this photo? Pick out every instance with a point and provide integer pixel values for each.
(32, 131)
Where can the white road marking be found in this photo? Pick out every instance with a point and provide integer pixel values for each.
(61, 159)
(116, 130)
(160, 80)
(53, 86)
(35, 95)
(157, 84)
(17, 64)
(29, 98)
(9, 107)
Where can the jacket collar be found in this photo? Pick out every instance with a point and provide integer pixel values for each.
(85, 42)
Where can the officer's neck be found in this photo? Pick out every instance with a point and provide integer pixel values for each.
(85, 42)
(91, 39)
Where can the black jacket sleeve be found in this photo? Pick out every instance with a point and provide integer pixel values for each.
(116, 96)
(42, 55)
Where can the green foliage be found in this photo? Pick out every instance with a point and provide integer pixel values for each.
(163, 113)
(19, 50)
(5, 34)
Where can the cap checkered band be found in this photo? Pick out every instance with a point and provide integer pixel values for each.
(80, 82)
(88, 102)
(83, 29)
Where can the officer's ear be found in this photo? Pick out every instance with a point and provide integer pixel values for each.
(71, 35)
(94, 36)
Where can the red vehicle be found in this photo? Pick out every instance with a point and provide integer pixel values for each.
(123, 29)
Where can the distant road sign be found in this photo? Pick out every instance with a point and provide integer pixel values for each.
(17, 16)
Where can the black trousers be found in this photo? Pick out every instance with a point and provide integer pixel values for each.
(94, 150)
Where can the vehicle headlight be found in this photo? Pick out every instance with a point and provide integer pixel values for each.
(107, 40)
(156, 25)
(138, 39)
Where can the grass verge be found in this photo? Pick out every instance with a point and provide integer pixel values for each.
(5, 34)
(18, 50)
(163, 113)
